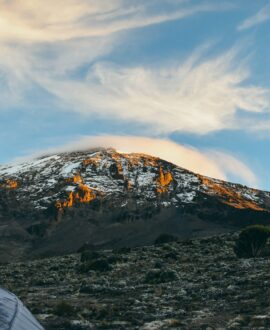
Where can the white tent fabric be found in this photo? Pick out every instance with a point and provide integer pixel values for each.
(14, 315)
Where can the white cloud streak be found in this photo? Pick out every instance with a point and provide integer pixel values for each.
(260, 17)
(233, 166)
(46, 42)
(193, 96)
(48, 21)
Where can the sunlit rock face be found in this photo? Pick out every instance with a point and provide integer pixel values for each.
(164, 180)
(96, 189)
(9, 184)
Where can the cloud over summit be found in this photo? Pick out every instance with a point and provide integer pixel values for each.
(212, 163)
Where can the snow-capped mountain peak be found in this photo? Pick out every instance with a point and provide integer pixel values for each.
(86, 194)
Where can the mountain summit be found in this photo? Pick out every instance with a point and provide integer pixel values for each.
(57, 203)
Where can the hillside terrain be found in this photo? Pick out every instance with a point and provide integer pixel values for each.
(55, 204)
(190, 284)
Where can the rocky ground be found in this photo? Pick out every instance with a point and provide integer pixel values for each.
(194, 284)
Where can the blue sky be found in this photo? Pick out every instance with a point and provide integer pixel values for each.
(183, 77)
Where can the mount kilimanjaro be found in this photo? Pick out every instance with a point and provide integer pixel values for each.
(55, 204)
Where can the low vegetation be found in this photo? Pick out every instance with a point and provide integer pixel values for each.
(156, 276)
(180, 285)
(252, 242)
(64, 309)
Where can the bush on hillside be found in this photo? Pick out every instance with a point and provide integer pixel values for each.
(86, 247)
(100, 265)
(64, 309)
(89, 256)
(252, 242)
(165, 238)
(157, 276)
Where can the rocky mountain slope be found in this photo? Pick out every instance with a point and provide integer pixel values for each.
(190, 284)
(57, 203)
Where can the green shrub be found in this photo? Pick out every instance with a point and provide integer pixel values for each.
(252, 242)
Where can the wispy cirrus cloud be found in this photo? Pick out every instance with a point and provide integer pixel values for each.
(45, 44)
(54, 39)
(260, 17)
(49, 21)
(197, 95)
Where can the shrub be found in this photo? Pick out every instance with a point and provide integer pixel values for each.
(100, 265)
(158, 264)
(86, 247)
(38, 229)
(252, 241)
(171, 255)
(122, 250)
(160, 276)
(165, 238)
(64, 309)
(89, 256)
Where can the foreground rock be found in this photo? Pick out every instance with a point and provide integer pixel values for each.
(194, 284)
